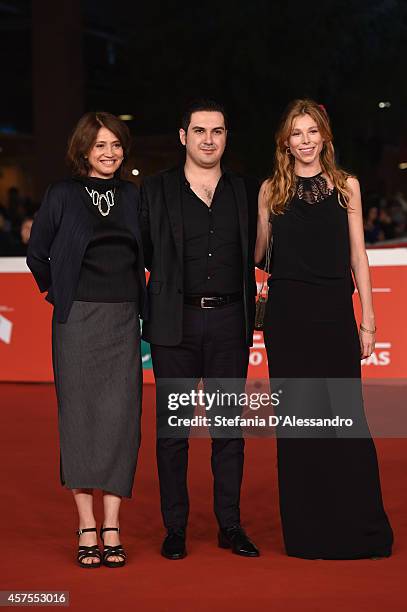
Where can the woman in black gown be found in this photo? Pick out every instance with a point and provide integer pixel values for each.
(330, 498)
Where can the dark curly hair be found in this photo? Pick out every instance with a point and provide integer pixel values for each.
(202, 104)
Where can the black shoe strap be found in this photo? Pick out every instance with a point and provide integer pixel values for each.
(81, 531)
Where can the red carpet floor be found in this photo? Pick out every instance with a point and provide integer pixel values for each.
(38, 524)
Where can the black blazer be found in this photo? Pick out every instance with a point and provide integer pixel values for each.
(162, 231)
(60, 235)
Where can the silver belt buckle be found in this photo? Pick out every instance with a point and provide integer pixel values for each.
(203, 303)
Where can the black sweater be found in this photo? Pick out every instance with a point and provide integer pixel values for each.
(60, 235)
(109, 266)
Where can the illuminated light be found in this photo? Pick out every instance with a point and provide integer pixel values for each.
(403, 166)
(126, 117)
(384, 104)
(135, 172)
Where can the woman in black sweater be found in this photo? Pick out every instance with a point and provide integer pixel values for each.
(85, 250)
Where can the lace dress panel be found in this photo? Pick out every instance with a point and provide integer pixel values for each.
(313, 189)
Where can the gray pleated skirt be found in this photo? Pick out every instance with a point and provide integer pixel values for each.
(98, 379)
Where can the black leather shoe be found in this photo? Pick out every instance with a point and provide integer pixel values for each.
(236, 539)
(174, 544)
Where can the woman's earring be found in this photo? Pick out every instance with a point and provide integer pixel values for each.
(288, 151)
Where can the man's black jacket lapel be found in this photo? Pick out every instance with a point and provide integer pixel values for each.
(173, 201)
(239, 190)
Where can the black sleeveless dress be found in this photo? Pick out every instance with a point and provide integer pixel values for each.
(330, 497)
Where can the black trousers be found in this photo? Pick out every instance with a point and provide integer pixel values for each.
(213, 347)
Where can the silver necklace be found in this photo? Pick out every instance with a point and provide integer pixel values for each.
(98, 199)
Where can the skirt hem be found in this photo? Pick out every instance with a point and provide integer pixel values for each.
(99, 487)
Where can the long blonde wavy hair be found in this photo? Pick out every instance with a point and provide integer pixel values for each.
(281, 185)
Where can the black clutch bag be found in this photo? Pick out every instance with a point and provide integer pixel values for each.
(260, 312)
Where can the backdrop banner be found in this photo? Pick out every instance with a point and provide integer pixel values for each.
(25, 323)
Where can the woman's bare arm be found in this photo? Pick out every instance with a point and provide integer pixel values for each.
(262, 226)
(360, 267)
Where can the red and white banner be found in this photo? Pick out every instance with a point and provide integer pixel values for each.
(25, 323)
(388, 268)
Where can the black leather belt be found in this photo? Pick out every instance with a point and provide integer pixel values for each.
(212, 302)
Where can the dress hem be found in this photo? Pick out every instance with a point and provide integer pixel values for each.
(329, 557)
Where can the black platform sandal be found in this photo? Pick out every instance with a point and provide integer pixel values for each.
(88, 551)
(112, 551)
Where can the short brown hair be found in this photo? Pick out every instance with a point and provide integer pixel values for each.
(84, 137)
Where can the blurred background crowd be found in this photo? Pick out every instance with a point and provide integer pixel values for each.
(385, 220)
(16, 218)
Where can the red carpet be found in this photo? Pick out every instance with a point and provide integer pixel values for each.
(38, 525)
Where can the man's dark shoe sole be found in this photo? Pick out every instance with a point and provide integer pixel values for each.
(174, 557)
(226, 544)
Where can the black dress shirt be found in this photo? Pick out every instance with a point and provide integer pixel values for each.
(212, 248)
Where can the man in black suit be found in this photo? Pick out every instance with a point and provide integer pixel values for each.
(199, 232)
